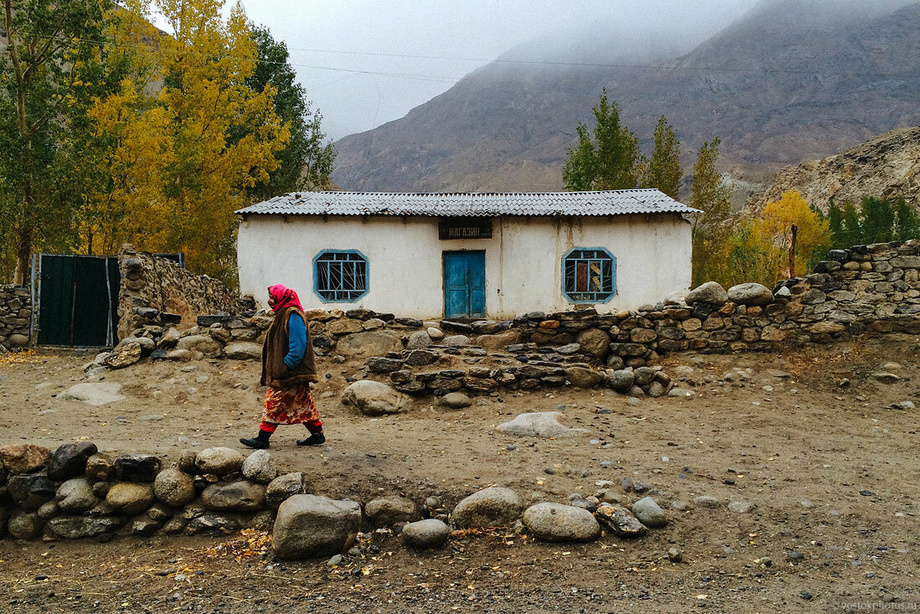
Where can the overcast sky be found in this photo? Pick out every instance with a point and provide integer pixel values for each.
(367, 62)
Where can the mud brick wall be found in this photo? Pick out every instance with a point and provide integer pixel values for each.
(151, 286)
(15, 313)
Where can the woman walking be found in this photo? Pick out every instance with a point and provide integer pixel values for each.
(288, 369)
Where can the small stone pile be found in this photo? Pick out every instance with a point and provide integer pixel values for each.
(15, 314)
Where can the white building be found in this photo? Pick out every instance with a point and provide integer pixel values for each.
(467, 255)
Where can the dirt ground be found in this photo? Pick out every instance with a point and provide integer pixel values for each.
(809, 438)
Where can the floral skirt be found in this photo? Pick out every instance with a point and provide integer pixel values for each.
(289, 405)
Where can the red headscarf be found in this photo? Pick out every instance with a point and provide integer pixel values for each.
(284, 297)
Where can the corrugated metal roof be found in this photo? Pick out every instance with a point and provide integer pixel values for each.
(620, 202)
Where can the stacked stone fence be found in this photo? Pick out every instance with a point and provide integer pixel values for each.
(15, 316)
(873, 289)
(76, 492)
(156, 285)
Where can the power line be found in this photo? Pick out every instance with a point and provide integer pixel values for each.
(450, 78)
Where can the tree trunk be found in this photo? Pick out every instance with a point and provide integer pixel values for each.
(795, 230)
(23, 256)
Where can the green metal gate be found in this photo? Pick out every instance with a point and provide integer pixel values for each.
(76, 300)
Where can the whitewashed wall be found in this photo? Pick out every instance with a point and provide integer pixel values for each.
(523, 259)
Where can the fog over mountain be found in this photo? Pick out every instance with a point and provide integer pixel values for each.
(788, 81)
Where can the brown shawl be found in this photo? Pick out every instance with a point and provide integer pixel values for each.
(274, 372)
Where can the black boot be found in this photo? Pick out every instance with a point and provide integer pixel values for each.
(313, 440)
(259, 442)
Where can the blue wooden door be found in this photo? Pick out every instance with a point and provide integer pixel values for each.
(465, 284)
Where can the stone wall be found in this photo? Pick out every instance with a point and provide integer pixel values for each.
(15, 314)
(151, 286)
(76, 492)
(872, 289)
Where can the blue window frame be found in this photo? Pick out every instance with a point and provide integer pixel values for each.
(589, 275)
(340, 276)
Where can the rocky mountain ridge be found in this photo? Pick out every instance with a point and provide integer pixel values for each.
(887, 166)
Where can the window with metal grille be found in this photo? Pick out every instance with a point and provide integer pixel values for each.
(589, 275)
(340, 276)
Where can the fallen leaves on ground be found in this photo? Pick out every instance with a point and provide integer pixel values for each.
(248, 543)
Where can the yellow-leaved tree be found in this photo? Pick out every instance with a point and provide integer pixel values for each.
(794, 230)
(188, 135)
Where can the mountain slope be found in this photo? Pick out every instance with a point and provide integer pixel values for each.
(887, 166)
(788, 82)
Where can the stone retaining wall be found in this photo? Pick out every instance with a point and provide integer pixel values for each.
(870, 288)
(75, 492)
(15, 314)
(152, 284)
(866, 289)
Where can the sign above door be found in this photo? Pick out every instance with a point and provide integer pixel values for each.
(464, 228)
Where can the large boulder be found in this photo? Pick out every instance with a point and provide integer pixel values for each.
(490, 507)
(95, 394)
(344, 326)
(308, 526)
(243, 350)
(70, 527)
(219, 461)
(711, 293)
(129, 498)
(24, 525)
(30, 490)
(240, 496)
(424, 534)
(455, 400)
(69, 460)
(174, 487)
(498, 341)
(283, 487)
(206, 344)
(622, 380)
(555, 522)
(648, 512)
(375, 398)
(595, 342)
(543, 424)
(24, 458)
(387, 511)
(581, 377)
(126, 354)
(750, 294)
(75, 496)
(258, 467)
(419, 340)
(371, 343)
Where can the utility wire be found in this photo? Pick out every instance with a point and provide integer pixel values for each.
(445, 78)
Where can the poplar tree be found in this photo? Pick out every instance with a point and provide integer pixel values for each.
(44, 44)
(610, 161)
(663, 169)
(185, 154)
(712, 197)
(306, 162)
